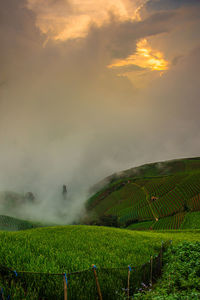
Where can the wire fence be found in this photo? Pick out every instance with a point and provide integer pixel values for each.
(90, 284)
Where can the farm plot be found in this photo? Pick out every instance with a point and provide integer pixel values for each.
(10, 223)
(194, 203)
(135, 213)
(173, 222)
(141, 225)
(162, 185)
(129, 196)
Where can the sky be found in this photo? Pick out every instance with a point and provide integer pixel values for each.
(89, 88)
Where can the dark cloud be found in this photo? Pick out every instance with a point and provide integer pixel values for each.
(118, 39)
(155, 5)
(66, 118)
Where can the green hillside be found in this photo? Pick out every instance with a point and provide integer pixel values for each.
(161, 193)
(13, 224)
(75, 248)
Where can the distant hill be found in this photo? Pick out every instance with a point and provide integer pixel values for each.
(12, 203)
(157, 195)
(13, 224)
(13, 199)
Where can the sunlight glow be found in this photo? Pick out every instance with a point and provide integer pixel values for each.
(145, 57)
(63, 20)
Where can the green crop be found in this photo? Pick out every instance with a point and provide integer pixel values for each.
(72, 248)
(180, 279)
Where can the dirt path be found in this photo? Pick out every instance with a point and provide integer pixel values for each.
(147, 199)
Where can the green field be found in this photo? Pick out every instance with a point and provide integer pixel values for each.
(141, 225)
(73, 248)
(155, 202)
(163, 192)
(191, 220)
(13, 224)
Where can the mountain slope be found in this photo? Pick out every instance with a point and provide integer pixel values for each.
(152, 192)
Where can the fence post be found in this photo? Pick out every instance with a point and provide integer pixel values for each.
(97, 282)
(161, 255)
(151, 270)
(65, 286)
(128, 285)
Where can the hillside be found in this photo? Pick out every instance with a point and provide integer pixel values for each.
(13, 224)
(72, 249)
(158, 196)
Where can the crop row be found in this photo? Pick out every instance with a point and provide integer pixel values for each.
(194, 203)
(12, 223)
(141, 225)
(182, 188)
(176, 199)
(129, 196)
(132, 214)
(172, 222)
(191, 186)
(143, 198)
(162, 185)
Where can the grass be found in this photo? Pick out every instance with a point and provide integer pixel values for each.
(141, 225)
(192, 220)
(72, 248)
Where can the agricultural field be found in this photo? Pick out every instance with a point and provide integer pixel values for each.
(191, 220)
(13, 224)
(164, 193)
(160, 204)
(173, 222)
(76, 247)
(141, 225)
(72, 248)
(178, 221)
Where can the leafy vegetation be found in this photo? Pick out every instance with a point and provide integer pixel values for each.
(191, 220)
(181, 276)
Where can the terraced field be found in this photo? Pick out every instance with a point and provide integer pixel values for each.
(12, 224)
(164, 198)
(173, 222)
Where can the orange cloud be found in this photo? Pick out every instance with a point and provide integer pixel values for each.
(145, 57)
(62, 19)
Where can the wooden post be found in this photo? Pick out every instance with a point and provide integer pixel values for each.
(161, 257)
(97, 282)
(65, 286)
(151, 272)
(128, 285)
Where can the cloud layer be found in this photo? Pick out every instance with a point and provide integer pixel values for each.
(65, 118)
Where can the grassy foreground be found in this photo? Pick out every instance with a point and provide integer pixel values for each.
(72, 248)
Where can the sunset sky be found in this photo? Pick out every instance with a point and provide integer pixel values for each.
(88, 88)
